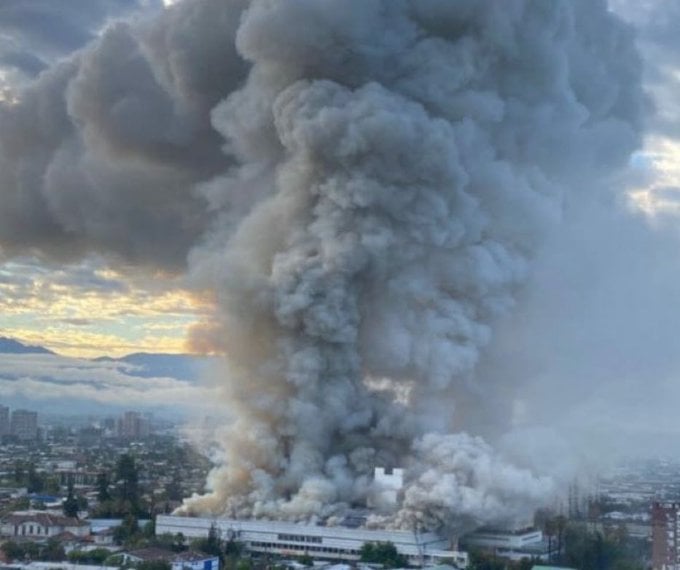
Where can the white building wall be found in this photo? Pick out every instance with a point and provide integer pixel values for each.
(207, 564)
(293, 539)
(504, 540)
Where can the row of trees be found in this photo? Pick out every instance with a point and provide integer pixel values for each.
(589, 547)
(123, 499)
(26, 475)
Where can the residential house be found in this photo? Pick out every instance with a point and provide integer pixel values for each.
(41, 525)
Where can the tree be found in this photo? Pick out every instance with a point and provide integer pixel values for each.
(550, 529)
(233, 548)
(52, 551)
(19, 472)
(560, 527)
(179, 543)
(126, 530)
(590, 550)
(95, 556)
(212, 544)
(70, 505)
(35, 482)
(384, 553)
(173, 489)
(103, 494)
(149, 530)
(484, 561)
(126, 472)
(12, 550)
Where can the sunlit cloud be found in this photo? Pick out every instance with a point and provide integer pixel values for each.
(89, 310)
(658, 167)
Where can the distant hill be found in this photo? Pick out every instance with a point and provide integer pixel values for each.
(59, 374)
(11, 346)
(148, 365)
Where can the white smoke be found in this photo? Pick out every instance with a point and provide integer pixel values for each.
(399, 164)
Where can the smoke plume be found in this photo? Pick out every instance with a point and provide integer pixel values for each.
(409, 159)
(363, 184)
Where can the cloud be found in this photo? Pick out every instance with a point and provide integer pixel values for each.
(655, 168)
(36, 33)
(53, 377)
(123, 138)
(88, 309)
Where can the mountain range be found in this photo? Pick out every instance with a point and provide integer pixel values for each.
(52, 369)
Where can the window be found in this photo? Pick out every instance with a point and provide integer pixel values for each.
(300, 538)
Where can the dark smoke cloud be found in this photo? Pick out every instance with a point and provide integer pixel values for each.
(406, 180)
(654, 22)
(101, 153)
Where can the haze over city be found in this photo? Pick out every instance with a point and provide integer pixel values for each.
(437, 235)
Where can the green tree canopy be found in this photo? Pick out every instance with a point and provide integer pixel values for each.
(70, 505)
(384, 553)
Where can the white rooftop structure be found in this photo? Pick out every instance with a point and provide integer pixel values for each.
(388, 485)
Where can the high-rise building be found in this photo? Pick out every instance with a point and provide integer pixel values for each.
(4, 420)
(24, 425)
(131, 425)
(665, 536)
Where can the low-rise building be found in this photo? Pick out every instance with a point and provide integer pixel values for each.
(324, 542)
(190, 560)
(41, 525)
(195, 561)
(510, 544)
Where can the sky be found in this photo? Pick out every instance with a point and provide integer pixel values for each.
(85, 277)
(86, 307)
(82, 307)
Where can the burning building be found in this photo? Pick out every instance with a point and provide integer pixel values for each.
(324, 542)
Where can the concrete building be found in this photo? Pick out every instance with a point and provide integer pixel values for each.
(509, 544)
(194, 561)
(132, 425)
(665, 534)
(324, 542)
(24, 425)
(4, 421)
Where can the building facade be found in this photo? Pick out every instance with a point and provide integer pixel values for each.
(665, 529)
(41, 526)
(325, 542)
(132, 425)
(4, 421)
(24, 425)
(510, 544)
(178, 561)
